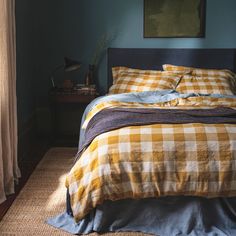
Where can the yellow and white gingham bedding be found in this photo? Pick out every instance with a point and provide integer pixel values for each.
(140, 81)
(204, 85)
(156, 160)
(117, 70)
(199, 71)
(208, 81)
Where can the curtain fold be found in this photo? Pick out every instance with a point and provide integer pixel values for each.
(9, 170)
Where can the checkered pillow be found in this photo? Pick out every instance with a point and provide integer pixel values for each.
(177, 69)
(128, 82)
(199, 71)
(209, 80)
(116, 71)
(204, 85)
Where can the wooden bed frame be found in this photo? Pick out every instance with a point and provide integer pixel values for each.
(149, 58)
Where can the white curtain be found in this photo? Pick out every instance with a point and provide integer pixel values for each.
(9, 171)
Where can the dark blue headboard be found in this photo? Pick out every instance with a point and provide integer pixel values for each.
(147, 58)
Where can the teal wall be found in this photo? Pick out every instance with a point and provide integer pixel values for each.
(49, 30)
(43, 38)
(25, 53)
(125, 18)
(33, 45)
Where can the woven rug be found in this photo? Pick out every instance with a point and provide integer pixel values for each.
(43, 196)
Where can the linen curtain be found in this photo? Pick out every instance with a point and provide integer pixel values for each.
(9, 171)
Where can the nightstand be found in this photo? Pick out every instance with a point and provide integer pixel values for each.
(67, 107)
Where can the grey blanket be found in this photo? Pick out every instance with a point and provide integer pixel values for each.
(115, 118)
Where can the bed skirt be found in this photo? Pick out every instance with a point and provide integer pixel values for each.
(172, 216)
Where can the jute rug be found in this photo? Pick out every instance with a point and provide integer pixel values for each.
(43, 196)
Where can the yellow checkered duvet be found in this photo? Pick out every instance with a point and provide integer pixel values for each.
(156, 160)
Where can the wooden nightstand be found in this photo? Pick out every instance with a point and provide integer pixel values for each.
(67, 108)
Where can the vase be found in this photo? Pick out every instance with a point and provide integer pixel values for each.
(90, 77)
(67, 84)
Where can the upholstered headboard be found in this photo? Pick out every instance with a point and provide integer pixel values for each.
(155, 58)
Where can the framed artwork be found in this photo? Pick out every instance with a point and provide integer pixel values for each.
(174, 18)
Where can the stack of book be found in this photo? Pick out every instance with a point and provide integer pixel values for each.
(82, 89)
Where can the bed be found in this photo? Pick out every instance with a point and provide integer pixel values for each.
(176, 184)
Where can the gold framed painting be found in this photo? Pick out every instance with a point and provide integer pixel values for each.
(174, 18)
